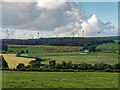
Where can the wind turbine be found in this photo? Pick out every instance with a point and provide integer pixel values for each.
(7, 33)
(73, 34)
(78, 34)
(80, 30)
(83, 33)
(38, 34)
(99, 34)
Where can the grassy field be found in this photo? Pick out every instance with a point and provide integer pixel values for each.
(15, 79)
(20, 79)
(13, 61)
(108, 47)
(68, 53)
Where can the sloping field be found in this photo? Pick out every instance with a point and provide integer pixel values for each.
(109, 47)
(13, 61)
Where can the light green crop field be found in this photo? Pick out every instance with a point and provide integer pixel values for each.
(20, 79)
(76, 57)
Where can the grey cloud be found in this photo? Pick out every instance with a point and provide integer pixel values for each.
(61, 19)
(31, 17)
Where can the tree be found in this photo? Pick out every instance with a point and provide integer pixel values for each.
(22, 52)
(116, 66)
(108, 66)
(92, 48)
(99, 66)
(59, 66)
(85, 47)
(52, 63)
(69, 65)
(38, 59)
(4, 47)
(35, 64)
(20, 65)
(26, 51)
(4, 63)
(18, 54)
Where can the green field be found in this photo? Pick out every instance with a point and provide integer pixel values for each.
(69, 53)
(21, 79)
(108, 47)
(18, 79)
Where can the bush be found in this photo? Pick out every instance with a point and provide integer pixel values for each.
(108, 70)
(38, 59)
(20, 65)
(35, 63)
(22, 52)
(4, 63)
(52, 63)
(67, 70)
(18, 54)
(26, 51)
(92, 48)
(4, 47)
(116, 66)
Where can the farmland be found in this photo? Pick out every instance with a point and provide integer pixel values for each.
(108, 47)
(17, 79)
(13, 60)
(22, 79)
(69, 53)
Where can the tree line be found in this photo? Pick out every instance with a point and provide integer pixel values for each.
(61, 41)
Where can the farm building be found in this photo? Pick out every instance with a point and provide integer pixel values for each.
(86, 50)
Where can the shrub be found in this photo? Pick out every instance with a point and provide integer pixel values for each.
(36, 63)
(92, 48)
(18, 54)
(4, 63)
(116, 66)
(20, 65)
(26, 51)
(22, 52)
(52, 63)
(108, 70)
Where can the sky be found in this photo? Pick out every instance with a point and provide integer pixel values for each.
(63, 19)
(106, 11)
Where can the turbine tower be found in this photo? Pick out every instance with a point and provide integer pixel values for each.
(78, 34)
(73, 34)
(7, 33)
(98, 34)
(83, 33)
(38, 34)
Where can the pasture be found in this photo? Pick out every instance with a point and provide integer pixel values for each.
(67, 53)
(108, 47)
(15, 79)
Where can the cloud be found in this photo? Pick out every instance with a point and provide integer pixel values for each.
(52, 18)
(93, 25)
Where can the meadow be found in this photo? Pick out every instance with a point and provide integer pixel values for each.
(20, 79)
(70, 53)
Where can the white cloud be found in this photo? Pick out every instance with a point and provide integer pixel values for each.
(93, 25)
(53, 18)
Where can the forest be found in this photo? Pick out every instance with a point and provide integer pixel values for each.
(61, 41)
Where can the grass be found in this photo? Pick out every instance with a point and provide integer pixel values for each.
(13, 61)
(16, 79)
(109, 47)
(77, 57)
(42, 51)
(31, 48)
